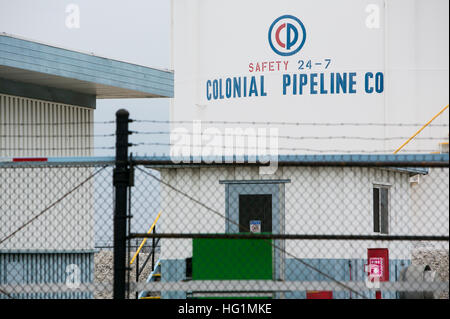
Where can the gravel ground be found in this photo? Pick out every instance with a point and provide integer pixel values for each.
(103, 272)
(438, 260)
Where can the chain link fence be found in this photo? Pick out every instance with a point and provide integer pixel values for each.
(226, 230)
(304, 232)
(55, 229)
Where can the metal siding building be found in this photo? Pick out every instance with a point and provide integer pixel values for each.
(54, 140)
(37, 267)
(47, 102)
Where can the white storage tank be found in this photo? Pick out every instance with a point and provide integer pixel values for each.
(322, 62)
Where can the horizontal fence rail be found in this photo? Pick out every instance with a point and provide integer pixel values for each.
(294, 236)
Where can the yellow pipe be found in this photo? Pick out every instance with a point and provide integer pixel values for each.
(145, 239)
(152, 297)
(421, 129)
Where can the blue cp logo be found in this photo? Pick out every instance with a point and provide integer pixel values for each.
(287, 35)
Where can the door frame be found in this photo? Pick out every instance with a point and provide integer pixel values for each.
(276, 188)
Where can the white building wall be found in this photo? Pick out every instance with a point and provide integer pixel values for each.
(56, 130)
(181, 214)
(340, 201)
(26, 192)
(317, 201)
(430, 206)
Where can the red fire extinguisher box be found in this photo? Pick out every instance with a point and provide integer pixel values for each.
(378, 263)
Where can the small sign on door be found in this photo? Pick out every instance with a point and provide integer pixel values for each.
(255, 226)
(376, 267)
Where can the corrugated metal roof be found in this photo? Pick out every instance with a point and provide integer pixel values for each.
(45, 65)
(399, 162)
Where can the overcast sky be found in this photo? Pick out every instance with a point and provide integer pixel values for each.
(136, 31)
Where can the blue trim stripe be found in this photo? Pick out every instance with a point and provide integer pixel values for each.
(45, 93)
(313, 159)
(48, 60)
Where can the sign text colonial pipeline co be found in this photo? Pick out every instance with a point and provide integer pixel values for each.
(295, 84)
(286, 37)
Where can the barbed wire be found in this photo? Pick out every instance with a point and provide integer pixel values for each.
(59, 148)
(57, 123)
(233, 122)
(291, 123)
(293, 149)
(292, 137)
(331, 137)
(230, 147)
(277, 148)
(57, 135)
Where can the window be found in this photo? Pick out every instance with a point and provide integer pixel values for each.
(381, 209)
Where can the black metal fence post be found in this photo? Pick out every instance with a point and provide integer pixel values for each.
(121, 181)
